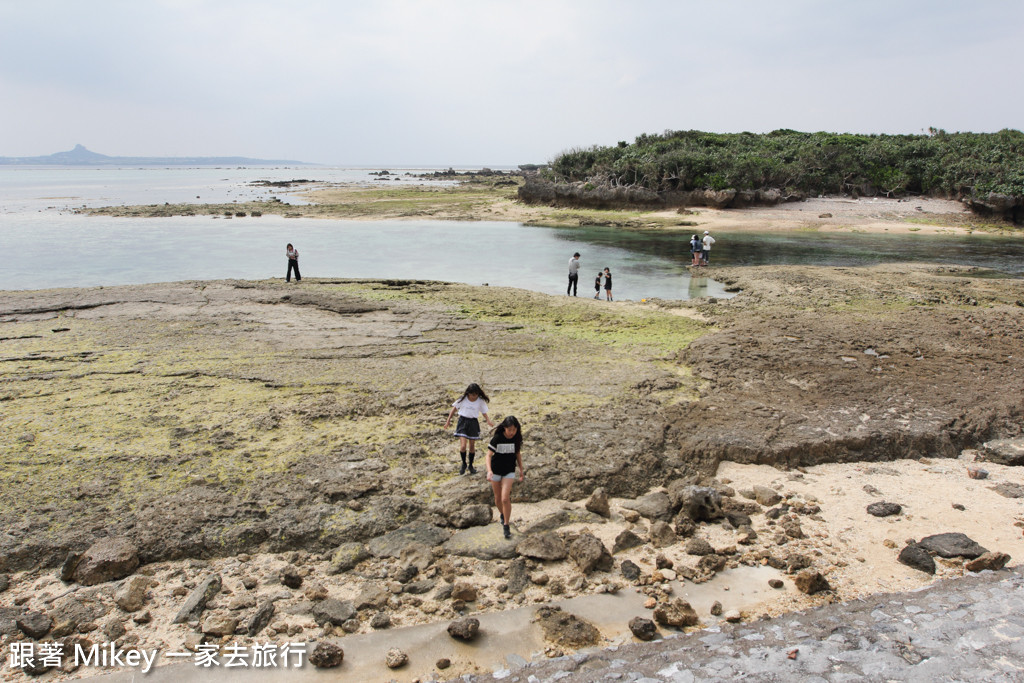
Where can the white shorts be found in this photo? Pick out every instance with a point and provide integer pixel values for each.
(499, 477)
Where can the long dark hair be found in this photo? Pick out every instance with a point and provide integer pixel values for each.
(511, 421)
(474, 389)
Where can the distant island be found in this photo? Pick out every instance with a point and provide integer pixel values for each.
(80, 156)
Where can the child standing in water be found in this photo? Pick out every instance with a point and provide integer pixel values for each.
(608, 284)
(504, 454)
(470, 406)
(597, 285)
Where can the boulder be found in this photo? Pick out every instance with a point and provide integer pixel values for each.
(114, 629)
(396, 658)
(565, 629)
(517, 576)
(483, 543)
(333, 611)
(652, 506)
(5, 582)
(466, 516)
(699, 546)
(662, 535)
(630, 570)
(993, 561)
(1008, 489)
(380, 620)
(220, 625)
(562, 518)
(547, 546)
(626, 540)
(709, 564)
(736, 518)
(260, 619)
(106, 560)
(766, 496)
(643, 629)
(701, 503)
(463, 590)
(291, 578)
(34, 624)
(347, 556)
(589, 554)
(952, 545)
(196, 601)
(1004, 451)
(8, 620)
(811, 582)
(132, 594)
(69, 614)
(918, 558)
(372, 596)
(678, 613)
(797, 561)
(464, 629)
(420, 587)
(883, 509)
(326, 655)
(391, 544)
(598, 503)
(418, 555)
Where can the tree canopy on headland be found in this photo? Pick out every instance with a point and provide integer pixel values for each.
(984, 168)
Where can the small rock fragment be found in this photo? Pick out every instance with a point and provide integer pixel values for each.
(993, 561)
(811, 582)
(326, 655)
(598, 503)
(643, 629)
(396, 658)
(884, 509)
(464, 629)
(678, 613)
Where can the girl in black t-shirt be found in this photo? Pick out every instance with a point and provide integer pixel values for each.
(504, 454)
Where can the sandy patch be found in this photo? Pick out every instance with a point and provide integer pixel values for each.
(862, 549)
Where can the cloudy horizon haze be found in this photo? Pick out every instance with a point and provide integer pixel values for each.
(476, 83)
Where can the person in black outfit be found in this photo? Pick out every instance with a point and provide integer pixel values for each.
(608, 285)
(504, 454)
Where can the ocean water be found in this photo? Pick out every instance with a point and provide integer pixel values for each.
(47, 245)
(53, 247)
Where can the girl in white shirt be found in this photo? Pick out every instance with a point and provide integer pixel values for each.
(470, 406)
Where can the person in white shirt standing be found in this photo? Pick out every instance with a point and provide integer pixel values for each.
(574, 274)
(293, 263)
(708, 241)
(470, 406)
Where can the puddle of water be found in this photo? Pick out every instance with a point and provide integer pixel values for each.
(502, 634)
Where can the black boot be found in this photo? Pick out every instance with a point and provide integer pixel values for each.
(462, 470)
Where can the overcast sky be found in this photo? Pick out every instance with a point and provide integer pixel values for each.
(475, 82)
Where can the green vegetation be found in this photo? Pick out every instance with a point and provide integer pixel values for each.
(941, 164)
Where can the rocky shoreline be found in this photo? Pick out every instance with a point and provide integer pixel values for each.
(287, 441)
